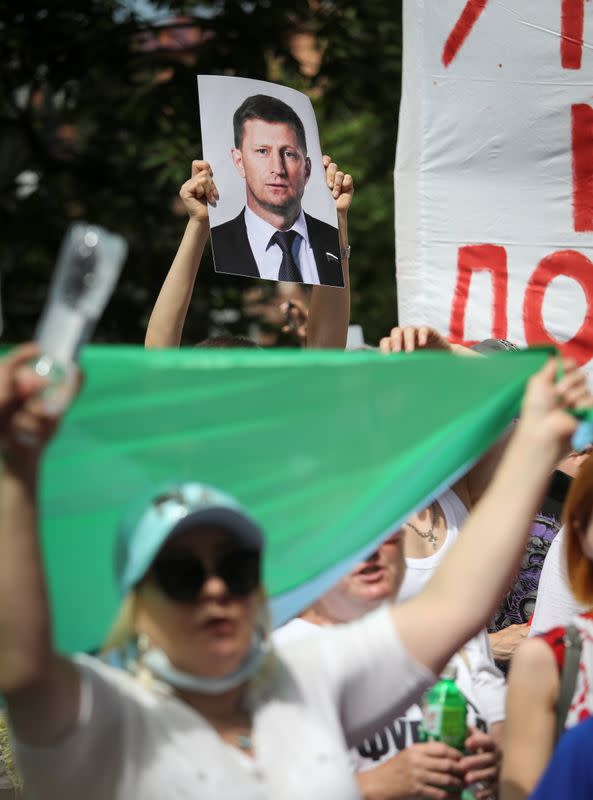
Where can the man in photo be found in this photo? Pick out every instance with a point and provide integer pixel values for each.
(273, 237)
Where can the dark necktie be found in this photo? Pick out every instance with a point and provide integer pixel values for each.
(289, 270)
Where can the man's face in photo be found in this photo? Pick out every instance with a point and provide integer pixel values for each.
(275, 168)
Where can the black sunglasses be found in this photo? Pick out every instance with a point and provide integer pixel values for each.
(181, 576)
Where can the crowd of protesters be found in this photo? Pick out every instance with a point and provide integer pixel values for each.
(194, 697)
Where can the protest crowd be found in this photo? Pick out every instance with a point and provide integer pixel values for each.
(192, 694)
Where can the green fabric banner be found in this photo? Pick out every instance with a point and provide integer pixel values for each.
(329, 450)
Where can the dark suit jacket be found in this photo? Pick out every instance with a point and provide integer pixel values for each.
(233, 254)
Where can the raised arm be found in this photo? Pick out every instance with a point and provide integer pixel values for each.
(406, 340)
(329, 310)
(165, 326)
(40, 688)
(475, 573)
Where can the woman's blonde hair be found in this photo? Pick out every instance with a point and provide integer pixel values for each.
(576, 516)
(122, 631)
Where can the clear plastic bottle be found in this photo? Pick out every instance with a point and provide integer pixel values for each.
(87, 270)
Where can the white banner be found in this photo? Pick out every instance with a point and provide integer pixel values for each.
(494, 171)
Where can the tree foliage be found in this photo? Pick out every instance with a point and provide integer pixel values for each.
(98, 104)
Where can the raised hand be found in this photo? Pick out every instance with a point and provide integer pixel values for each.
(25, 424)
(341, 185)
(198, 191)
(406, 340)
(547, 402)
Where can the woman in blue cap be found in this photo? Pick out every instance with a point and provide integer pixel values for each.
(206, 710)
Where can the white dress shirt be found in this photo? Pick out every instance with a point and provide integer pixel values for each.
(269, 258)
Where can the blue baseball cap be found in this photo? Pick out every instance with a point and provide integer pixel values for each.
(178, 507)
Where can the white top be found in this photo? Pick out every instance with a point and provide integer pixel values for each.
(325, 694)
(268, 258)
(555, 603)
(477, 677)
(420, 570)
(485, 674)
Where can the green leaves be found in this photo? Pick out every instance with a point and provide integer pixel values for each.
(100, 103)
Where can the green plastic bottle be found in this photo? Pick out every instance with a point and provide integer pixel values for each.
(444, 712)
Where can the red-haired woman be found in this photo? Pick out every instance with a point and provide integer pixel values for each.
(534, 686)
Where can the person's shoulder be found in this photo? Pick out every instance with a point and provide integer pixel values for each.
(534, 667)
(324, 239)
(317, 227)
(294, 630)
(230, 225)
(114, 679)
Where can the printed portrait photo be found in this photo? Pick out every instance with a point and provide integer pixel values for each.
(275, 217)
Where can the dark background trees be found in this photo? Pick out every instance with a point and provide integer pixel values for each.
(98, 107)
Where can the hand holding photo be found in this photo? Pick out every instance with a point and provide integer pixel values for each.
(262, 142)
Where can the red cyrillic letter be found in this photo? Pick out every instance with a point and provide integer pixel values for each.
(479, 258)
(571, 264)
(571, 37)
(462, 29)
(582, 167)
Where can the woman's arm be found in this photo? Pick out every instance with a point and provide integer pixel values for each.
(476, 572)
(530, 723)
(329, 310)
(165, 326)
(40, 688)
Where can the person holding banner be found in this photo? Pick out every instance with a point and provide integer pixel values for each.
(434, 528)
(329, 312)
(209, 710)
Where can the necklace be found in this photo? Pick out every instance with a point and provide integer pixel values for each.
(429, 535)
(244, 741)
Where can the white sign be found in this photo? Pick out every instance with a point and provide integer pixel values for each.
(494, 171)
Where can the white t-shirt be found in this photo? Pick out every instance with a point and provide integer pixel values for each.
(326, 694)
(269, 257)
(477, 677)
(555, 603)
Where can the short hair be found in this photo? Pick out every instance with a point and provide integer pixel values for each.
(270, 109)
(576, 516)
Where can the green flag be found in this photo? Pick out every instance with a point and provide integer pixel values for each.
(330, 451)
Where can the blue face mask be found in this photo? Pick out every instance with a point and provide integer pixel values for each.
(157, 662)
